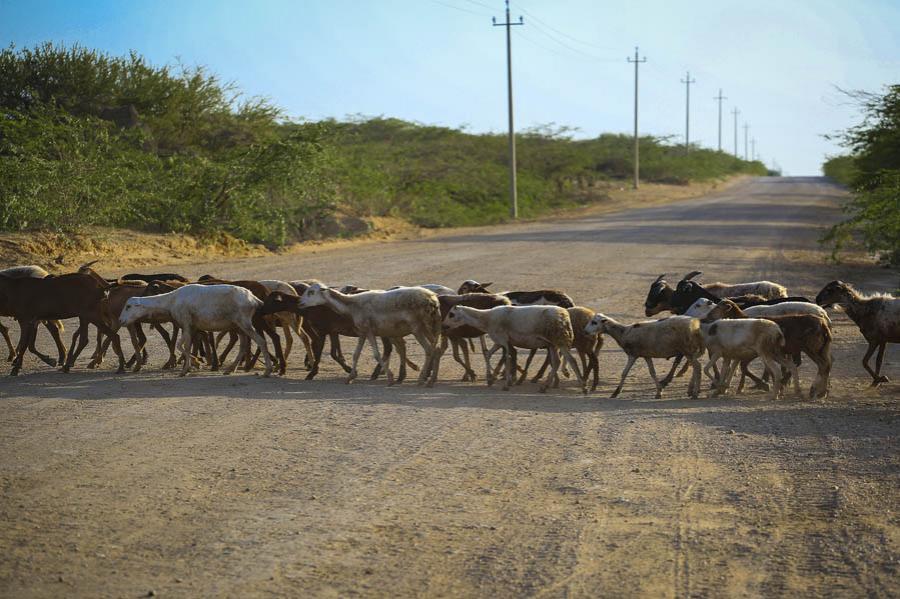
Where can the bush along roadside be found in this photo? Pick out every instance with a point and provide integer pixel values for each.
(92, 139)
(872, 171)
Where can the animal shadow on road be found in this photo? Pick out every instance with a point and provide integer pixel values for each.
(749, 414)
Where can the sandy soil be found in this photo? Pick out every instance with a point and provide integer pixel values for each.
(242, 486)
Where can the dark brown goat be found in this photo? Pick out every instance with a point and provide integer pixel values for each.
(54, 326)
(77, 295)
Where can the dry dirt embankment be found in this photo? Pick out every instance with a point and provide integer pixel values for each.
(121, 249)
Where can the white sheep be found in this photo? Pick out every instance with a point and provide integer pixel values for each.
(203, 308)
(702, 307)
(766, 289)
(665, 338)
(532, 327)
(393, 313)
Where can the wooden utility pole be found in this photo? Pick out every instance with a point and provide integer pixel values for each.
(687, 112)
(735, 112)
(720, 97)
(513, 196)
(637, 152)
(746, 147)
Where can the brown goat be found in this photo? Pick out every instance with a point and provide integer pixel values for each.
(76, 295)
(877, 316)
(55, 327)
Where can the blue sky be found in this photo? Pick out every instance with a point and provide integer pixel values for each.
(441, 62)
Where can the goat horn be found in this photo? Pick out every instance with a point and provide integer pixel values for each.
(659, 278)
(691, 275)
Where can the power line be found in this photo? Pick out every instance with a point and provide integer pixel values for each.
(549, 35)
(539, 21)
(637, 168)
(482, 4)
(687, 111)
(513, 199)
(459, 8)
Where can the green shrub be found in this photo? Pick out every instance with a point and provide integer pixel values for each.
(91, 139)
(873, 171)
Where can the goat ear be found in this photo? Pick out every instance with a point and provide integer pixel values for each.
(487, 284)
(691, 275)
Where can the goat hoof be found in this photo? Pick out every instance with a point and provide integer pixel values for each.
(14, 372)
(879, 380)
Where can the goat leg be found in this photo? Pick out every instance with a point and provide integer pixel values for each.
(336, 354)
(668, 378)
(4, 330)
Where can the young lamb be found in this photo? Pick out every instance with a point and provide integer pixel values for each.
(394, 314)
(666, 338)
(876, 315)
(204, 308)
(804, 333)
(531, 327)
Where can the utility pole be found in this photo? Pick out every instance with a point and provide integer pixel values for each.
(735, 112)
(687, 119)
(720, 97)
(746, 129)
(513, 199)
(637, 164)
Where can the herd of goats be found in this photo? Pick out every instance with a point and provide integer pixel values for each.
(734, 324)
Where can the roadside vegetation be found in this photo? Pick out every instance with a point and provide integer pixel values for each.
(91, 139)
(871, 169)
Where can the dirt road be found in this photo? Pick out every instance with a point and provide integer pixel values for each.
(241, 486)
